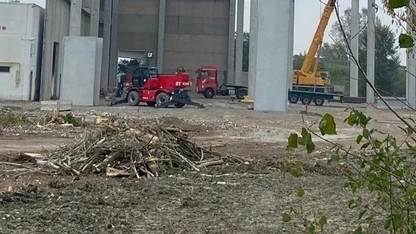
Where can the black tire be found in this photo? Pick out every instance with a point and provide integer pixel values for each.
(241, 93)
(162, 98)
(179, 105)
(306, 100)
(133, 98)
(209, 93)
(319, 101)
(151, 103)
(293, 98)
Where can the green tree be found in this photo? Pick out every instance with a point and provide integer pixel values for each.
(388, 74)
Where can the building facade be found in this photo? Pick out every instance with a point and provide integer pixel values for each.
(21, 29)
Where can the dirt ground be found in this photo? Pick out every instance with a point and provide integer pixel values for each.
(246, 198)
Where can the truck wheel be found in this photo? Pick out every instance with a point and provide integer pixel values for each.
(209, 93)
(319, 101)
(293, 98)
(241, 93)
(162, 98)
(306, 100)
(133, 98)
(151, 103)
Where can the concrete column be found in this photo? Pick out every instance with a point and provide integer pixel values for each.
(239, 43)
(411, 69)
(231, 43)
(161, 35)
(291, 42)
(273, 36)
(95, 18)
(108, 4)
(354, 42)
(253, 49)
(411, 79)
(113, 46)
(75, 18)
(371, 45)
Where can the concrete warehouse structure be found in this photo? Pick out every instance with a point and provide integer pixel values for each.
(64, 18)
(175, 33)
(21, 29)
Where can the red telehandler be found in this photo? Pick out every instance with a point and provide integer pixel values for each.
(158, 90)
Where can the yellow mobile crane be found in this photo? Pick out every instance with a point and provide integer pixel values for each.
(310, 84)
(309, 75)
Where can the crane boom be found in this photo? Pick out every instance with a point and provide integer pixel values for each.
(308, 64)
(308, 75)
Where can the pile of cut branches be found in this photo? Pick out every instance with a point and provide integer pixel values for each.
(146, 150)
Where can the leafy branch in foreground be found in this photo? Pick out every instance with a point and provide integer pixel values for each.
(380, 168)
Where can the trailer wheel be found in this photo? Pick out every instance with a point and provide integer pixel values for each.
(293, 98)
(133, 98)
(240, 93)
(319, 101)
(162, 98)
(209, 93)
(306, 100)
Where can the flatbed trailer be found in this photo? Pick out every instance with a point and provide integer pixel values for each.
(318, 98)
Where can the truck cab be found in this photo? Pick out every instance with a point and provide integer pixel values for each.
(207, 80)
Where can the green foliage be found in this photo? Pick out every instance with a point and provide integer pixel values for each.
(398, 3)
(293, 141)
(405, 41)
(328, 125)
(10, 119)
(383, 169)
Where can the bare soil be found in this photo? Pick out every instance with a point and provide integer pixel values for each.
(246, 198)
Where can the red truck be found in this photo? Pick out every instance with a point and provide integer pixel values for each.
(207, 84)
(159, 90)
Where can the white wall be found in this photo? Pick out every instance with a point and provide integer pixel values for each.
(20, 35)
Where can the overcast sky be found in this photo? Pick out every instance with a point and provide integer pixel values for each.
(307, 15)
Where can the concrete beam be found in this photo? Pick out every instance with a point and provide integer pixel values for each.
(354, 41)
(239, 43)
(161, 35)
(253, 51)
(95, 18)
(231, 42)
(75, 18)
(371, 46)
(272, 63)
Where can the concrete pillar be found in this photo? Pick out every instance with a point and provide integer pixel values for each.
(273, 36)
(95, 18)
(113, 46)
(291, 42)
(161, 35)
(239, 43)
(354, 42)
(411, 79)
(75, 18)
(231, 43)
(371, 45)
(108, 4)
(411, 68)
(253, 51)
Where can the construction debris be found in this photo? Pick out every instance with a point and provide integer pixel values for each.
(145, 150)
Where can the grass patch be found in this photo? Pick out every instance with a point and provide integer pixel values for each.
(10, 119)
